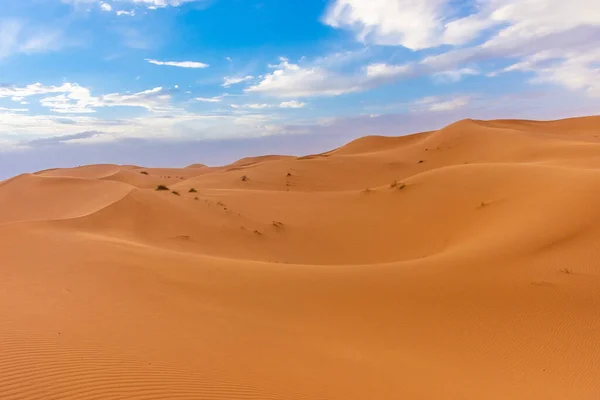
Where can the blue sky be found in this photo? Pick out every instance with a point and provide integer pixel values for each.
(202, 80)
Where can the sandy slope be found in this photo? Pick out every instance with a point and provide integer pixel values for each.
(462, 263)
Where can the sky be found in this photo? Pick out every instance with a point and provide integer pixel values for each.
(175, 82)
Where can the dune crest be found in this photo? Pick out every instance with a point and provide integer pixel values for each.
(453, 264)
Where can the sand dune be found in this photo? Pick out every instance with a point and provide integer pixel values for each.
(455, 264)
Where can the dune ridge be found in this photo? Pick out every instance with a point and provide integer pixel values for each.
(457, 263)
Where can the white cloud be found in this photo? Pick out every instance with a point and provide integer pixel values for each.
(72, 98)
(180, 64)
(149, 4)
(165, 3)
(228, 80)
(17, 93)
(555, 40)
(105, 6)
(19, 130)
(292, 104)
(455, 75)
(387, 71)
(14, 109)
(578, 71)
(413, 24)
(156, 99)
(77, 100)
(261, 106)
(126, 13)
(434, 103)
(18, 37)
(215, 99)
(292, 80)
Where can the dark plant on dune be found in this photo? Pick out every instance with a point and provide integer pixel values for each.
(192, 190)
(162, 187)
(176, 193)
(566, 271)
(144, 173)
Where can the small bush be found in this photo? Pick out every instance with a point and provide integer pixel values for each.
(162, 187)
(176, 193)
(144, 173)
(566, 271)
(278, 224)
(192, 190)
(421, 161)
(402, 186)
(196, 198)
(289, 174)
(393, 184)
(244, 178)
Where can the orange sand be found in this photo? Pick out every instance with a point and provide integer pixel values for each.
(364, 274)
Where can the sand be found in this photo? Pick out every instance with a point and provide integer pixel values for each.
(462, 263)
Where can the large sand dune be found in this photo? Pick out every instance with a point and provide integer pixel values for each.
(462, 263)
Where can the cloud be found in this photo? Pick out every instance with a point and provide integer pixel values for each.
(387, 71)
(292, 80)
(557, 41)
(292, 104)
(554, 40)
(105, 7)
(228, 81)
(126, 13)
(253, 106)
(260, 106)
(13, 109)
(60, 140)
(413, 24)
(215, 99)
(455, 75)
(180, 64)
(18, 37)
(18, 93)
(434, 103)
(17, 128)
(135, 39)
(166, 3)
(150, 4)
(75, 99)
(156, 99)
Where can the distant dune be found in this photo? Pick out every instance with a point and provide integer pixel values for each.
(461, 263)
